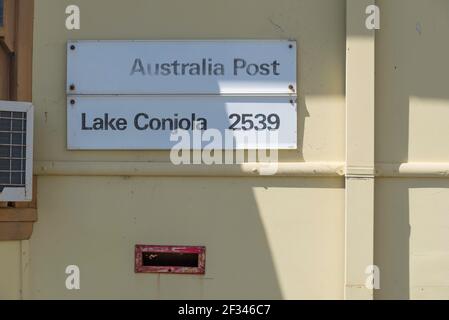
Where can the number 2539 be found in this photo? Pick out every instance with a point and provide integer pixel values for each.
(249, 121)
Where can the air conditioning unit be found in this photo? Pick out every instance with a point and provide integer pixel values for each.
(16, 151)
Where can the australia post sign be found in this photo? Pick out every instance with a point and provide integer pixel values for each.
(138, 94)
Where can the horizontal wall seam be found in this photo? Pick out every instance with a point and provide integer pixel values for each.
(75, 168)
(360, 172)
(306, 169)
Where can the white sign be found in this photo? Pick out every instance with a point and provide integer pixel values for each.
(182, 67)
(150, 122)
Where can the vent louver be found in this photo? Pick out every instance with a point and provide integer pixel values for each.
(1, 13)
(16, 151)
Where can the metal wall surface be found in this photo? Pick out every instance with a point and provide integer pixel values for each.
(265, 237)
(412, 108)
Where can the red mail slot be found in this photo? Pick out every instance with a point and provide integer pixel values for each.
(170, 259)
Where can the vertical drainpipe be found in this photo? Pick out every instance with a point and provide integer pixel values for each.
(360, 170)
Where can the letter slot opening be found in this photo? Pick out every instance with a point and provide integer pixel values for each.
(169, 259)
(172, 259)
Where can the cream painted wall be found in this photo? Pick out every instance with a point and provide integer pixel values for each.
(260, 243)
(10, 270)
(411, 238)
(412, 91)
(412, 113)
(279, 237)
(321, 61)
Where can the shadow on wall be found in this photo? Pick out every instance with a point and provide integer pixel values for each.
(412, 106)
(410, 231)
(392, 237)
(266, 238)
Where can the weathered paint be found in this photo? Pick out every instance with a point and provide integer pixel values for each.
(96, 206)
(242, 221)
(141, 248)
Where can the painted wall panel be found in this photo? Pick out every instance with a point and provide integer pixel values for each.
(260, 243)
(320, 61)
(412, 92)
(10, 270)
(293, 227)
(411, 238)
(265, 237)
(412, 103)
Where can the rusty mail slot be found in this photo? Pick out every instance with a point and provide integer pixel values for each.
(170, 259)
